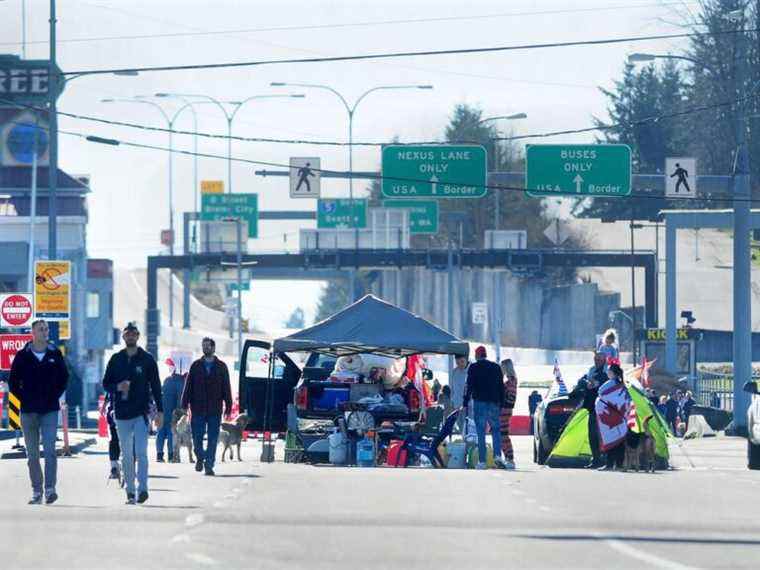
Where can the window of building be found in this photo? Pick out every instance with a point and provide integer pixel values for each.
(93, 305)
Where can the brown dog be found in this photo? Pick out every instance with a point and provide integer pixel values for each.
(231, 435)
(181, 434)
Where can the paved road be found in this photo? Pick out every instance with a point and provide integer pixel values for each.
(704, 514)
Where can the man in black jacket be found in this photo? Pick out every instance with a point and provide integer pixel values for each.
(588, 388)
(485, 385)
(38, 378)
(132, 380)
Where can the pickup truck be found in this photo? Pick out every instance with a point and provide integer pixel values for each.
(268, 383)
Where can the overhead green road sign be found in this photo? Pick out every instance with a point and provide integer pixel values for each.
(341, 213)
(423, 214)
(438, 171)
(578, 169)
(216, 207)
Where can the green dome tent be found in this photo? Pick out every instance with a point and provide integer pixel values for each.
(573, 449)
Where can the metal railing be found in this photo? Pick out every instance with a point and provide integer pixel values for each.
(716, 389)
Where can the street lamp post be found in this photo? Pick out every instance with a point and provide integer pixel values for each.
(351, 110)
(496, 193)
(742, 286)
(170, 124)
(229, 117)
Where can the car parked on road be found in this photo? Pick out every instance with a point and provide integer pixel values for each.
(550, 419)
(753, 425)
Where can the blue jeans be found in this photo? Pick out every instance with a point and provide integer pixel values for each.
(208, 425)
(171, 395)
(133, 437)
(46, 425)
(487, 413)
(165, 435)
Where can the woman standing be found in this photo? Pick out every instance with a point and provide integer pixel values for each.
(612, 408)
(510, 396)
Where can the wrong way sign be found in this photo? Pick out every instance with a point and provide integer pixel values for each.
(10, 345)
(16, 310)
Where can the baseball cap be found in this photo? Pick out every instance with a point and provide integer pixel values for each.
(131, 326)
(480, 352)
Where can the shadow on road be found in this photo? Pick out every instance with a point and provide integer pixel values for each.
(170, 507)
(241, 476)
(162, 477)
(656, 539)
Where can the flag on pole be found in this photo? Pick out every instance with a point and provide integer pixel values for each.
(562, 389)
(645, 366)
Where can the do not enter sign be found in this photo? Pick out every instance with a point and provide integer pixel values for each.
(16, 310)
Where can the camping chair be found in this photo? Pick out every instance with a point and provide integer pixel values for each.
(420, 444)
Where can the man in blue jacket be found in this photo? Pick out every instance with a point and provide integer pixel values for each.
(38, 378)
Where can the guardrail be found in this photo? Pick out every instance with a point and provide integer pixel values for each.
(716, 389)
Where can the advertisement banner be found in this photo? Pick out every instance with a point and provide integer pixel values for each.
(52, 290)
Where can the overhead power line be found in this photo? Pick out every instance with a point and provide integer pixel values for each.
(548, 134)
(405, 54)
(345, 25)
(379, 176)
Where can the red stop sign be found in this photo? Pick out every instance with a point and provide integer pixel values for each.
(16, 310)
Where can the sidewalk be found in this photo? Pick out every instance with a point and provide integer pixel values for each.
(78, 441)
(719, 453)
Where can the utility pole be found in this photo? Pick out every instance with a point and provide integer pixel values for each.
(239, 232)
(53, 80)
(742, 338)
(32, 210)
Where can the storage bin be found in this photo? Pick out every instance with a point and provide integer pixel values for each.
(329, 398)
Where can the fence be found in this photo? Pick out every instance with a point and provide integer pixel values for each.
(716, 389)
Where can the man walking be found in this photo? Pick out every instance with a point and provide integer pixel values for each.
(458, 383)
(171, 393)
(588, 388)
(207, 388)
(132, 380)
(38, 378)
(485, 385)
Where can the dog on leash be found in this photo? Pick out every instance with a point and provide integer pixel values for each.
(181, 434)
(231, 435)
(641, 455)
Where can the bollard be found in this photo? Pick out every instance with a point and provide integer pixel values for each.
(79, 418)
(102, 421)
(65, 422)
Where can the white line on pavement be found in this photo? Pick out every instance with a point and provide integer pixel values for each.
(201, 559)
(544, 509)
(194, 520)
(180, 538)
(645, 556)
(530, 501)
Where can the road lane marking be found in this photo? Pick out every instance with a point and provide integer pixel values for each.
(530, 501)
(544, 509)
(201, 559)
(194, 520)
(645, 556)
(180, 538)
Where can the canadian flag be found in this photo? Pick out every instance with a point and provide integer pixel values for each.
(558, 379)
(645, 366)
(630, 417)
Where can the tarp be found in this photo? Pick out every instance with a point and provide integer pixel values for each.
(573, 449)
(376, 326)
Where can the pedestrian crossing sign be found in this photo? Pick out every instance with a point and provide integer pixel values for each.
(305, 176)
(681, 177)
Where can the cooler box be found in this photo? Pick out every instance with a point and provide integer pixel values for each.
(396, 455)
(329, 399)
